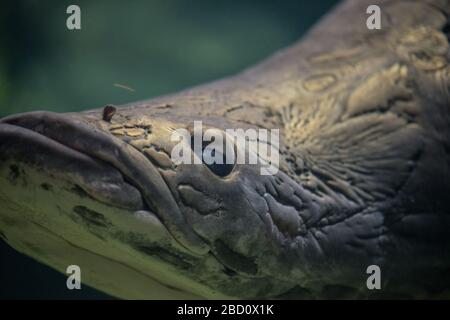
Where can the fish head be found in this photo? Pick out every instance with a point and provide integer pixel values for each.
(110, 195)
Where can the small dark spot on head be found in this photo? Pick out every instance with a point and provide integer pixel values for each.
(164, 106)
(14, 172)
(46, 186)
(108, 112)
(92, 217)
(79, 191)
(229, 272)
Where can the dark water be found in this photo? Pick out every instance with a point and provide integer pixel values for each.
(154, 47)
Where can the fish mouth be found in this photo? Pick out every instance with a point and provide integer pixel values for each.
(105, 167)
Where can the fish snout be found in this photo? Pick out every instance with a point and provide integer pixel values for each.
(73, 148)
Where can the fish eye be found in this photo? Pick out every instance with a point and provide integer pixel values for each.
(215, 159)
(222, 169)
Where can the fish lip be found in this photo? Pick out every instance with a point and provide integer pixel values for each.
(76, 134)
(91, 176)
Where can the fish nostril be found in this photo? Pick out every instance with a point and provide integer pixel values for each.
(108, 112)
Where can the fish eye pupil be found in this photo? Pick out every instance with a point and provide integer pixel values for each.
(220, 169)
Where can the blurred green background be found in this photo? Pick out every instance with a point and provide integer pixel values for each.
(154, 47)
